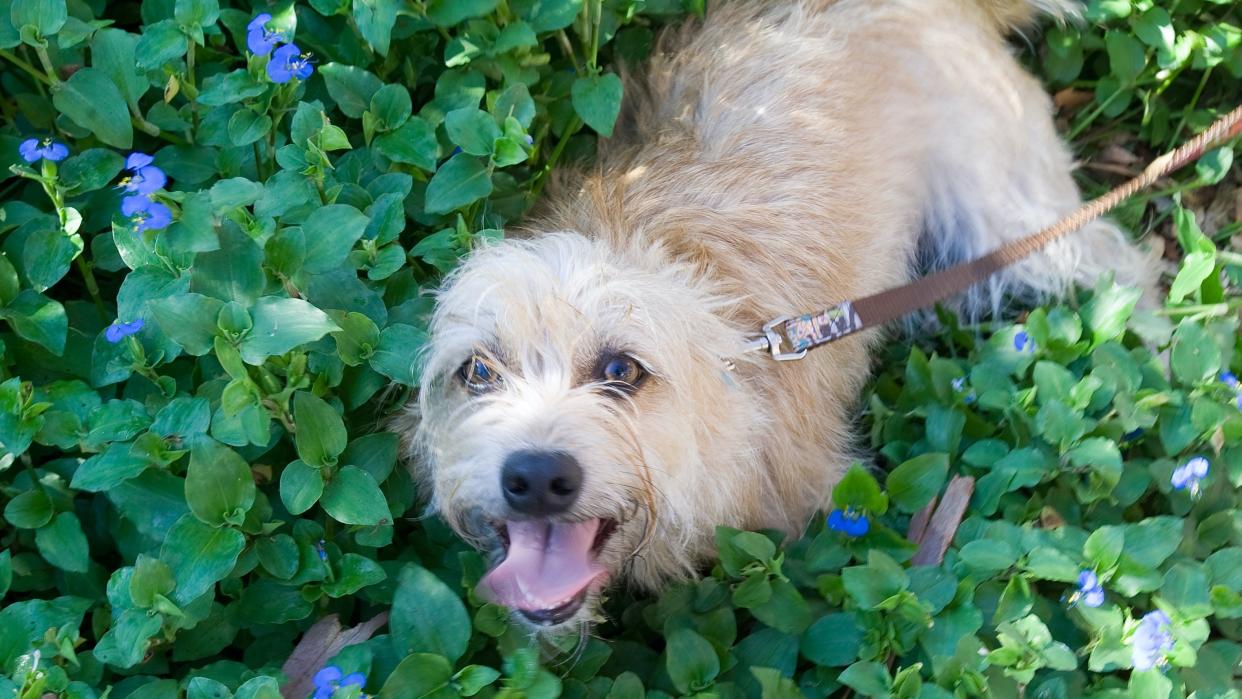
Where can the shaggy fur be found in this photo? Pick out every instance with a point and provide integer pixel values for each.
(777, 157)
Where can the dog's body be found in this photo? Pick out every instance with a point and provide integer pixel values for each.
(787, 156)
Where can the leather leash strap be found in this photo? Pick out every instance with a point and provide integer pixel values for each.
(791, 337)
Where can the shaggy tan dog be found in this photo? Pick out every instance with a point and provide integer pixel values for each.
(580, 418)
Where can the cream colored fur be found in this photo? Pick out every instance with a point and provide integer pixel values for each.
(777, 157)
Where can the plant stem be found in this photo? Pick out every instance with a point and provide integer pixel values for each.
(1181, 123)
(570, 130)
(1095, 113)
(26, 67)
(92, 287)
(48, 68)
(192, 93)
(568, 48)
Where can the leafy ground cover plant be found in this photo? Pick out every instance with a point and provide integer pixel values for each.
(217, 225)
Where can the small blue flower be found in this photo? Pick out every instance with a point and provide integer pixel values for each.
(145, 178)
(119, 331)
(322, 550)
(259, 39)
(326, 681)
(959, 384)
(288, 62)
(849, 522)
(1229, 379)
(1089, 592)
(1151, 640)
(530, 140)
(1132, 434)
(144, 214)
(1022, 341)
(33, 150)
(1189, 474)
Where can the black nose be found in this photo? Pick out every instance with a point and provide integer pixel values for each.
(541, 483)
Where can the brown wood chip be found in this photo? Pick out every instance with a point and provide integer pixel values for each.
(944, 522)
(322, 641)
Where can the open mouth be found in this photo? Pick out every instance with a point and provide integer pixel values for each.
(548, 567)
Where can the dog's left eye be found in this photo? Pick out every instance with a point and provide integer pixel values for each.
(622, 371)
(478, 375)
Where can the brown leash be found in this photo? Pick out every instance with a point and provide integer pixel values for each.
(791, 337)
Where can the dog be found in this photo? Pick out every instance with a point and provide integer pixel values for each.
(585, 415)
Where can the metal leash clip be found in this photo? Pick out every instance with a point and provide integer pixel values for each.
(771, 341)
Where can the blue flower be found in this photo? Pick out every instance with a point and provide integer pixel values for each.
(1089, 592)
(145, 214)
(1132, 434)
(322, 550)
(1022, 341)
(259, 39)
(959, 386)
(119, 331)
(1189, 474)
(1151, 640)
(33, 150)
(329, 679)
(849, 522)
(530, 140)
(1229, 379)
(145, 178)
(288, 62)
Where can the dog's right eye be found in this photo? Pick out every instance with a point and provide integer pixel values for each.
(478, 376)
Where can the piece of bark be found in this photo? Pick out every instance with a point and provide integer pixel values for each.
(918, 523)
(944, 522)
(322, 641)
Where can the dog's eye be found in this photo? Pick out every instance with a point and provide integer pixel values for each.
(479, 376)
(621, 371)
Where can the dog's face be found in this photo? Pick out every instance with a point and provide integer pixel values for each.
(571, 403)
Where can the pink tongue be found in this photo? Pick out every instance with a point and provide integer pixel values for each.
(548, 564)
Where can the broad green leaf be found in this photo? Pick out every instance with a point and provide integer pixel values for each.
(189, 319)
(320, 436)
(281, 324)
(547, 15)
(29, 509)
(1195, 356)
(833, 641)
(424, 675)
(199, 555)
(414, 142)
(474, 130)
(427, 616)
(93, 101)
(1196, 267)
(62, 543)
(391, 106)
(446, 13)
(218, 484)
(691, 661)
(301, 486)
(463, 180)
(350, 87)
(353, 497)
(398, 353)
(45, 16)
(330, 234)
(598, 101)
(914, 483)
(114, 466)
(869, 679)
(375, 20)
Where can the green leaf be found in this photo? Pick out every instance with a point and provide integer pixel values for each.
(117, 464)
(419, 675)
(598, 101)
(858, 489)
(189, 319)
(320, 436)
(93, 101)
(870, 679)
(427, 616)
(1125, 55)
(463, 180)
(350, 87)
(354, 573)
(37, 318)
(391, 106)
(691, 661)
(413, 143)
(353, 497)
(447, 13)
(281, 324)
(29, 510)
(785, 610)
(1185, 589)
(1195, 356)
(331, 234)
(1196, 268)
(375, 20)
(358, 338)
(218, 484)
(473, 129)
(151, 577)
(1212, 166)
(201, 13)
(397, 355)
(91, 169)
(914, 483)
(834, 640)
(301, 486)
(547, 15)
(63, 544)
(247, 126)
(199, 555)
(1103, 548)
(124, 645)
(1149, 684)
(45, 16)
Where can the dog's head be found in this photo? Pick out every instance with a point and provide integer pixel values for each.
(575, 408)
